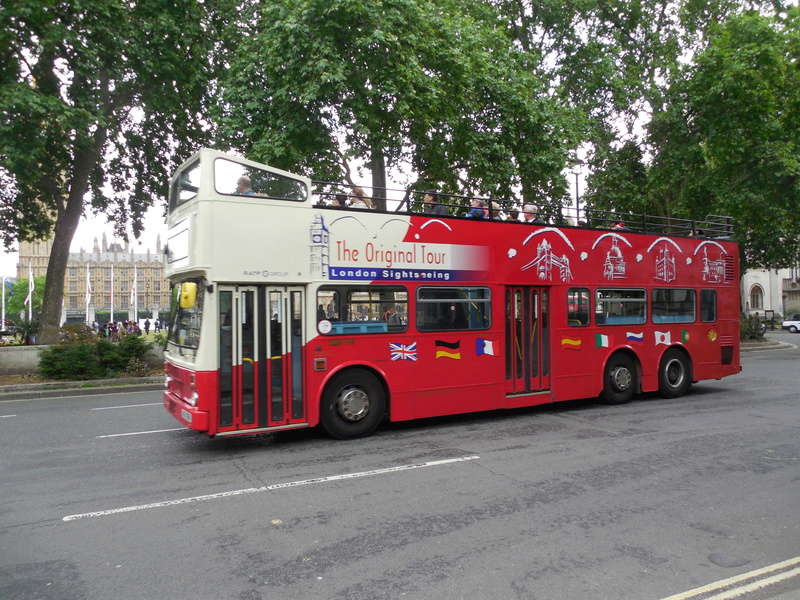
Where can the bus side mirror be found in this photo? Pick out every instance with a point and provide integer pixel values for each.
(188, 294)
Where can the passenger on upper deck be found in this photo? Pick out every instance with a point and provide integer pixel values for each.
(530, 215)
(477, 210)
(619, 225)
(432, 206)
(243, 187)
(359, 199)
(339, 201)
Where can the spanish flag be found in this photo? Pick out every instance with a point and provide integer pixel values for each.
(571, 344)
(452, 349)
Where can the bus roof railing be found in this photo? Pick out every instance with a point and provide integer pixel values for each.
(410, 201)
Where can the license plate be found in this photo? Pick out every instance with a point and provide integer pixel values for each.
(187, 416)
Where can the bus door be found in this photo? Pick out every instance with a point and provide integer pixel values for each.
(527, 340)
(283, 368)
(239, 349)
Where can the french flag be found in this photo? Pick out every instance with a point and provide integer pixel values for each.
(484, 347)
(633, 336)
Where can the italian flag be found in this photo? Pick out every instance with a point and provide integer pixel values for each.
(601, 340)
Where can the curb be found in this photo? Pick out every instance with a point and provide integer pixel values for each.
(79, 388)
(766, 346)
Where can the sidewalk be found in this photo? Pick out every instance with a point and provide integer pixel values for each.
(766, 344)
(80, 388)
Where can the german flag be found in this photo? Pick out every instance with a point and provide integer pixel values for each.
(452, 349)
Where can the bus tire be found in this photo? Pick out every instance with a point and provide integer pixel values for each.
(353, 405)
(674, 374)
(620, 380)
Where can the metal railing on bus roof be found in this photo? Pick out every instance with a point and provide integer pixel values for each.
(330, 194)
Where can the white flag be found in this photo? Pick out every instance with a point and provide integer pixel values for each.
(88, 287)
(31, 286)
(663, 337)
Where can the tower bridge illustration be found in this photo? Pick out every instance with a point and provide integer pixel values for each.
(546, 261)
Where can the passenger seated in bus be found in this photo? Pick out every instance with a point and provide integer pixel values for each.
(513, 215)
(530, 215)
(243, 186)
(477, 210)
(339, 201)
(391, 317)
(359, 199)
(432, 206)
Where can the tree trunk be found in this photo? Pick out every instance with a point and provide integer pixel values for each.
(50, 317)
(378, 166)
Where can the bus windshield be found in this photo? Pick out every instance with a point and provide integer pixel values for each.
(185, 321)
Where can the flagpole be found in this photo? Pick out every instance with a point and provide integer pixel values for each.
(135, 296)
(112, 294)
(30, 292)
(3, 321)
(88, 293)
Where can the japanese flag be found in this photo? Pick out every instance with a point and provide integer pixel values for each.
(663, 337)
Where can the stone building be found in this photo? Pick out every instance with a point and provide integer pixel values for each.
(152, 287)
(776, 290)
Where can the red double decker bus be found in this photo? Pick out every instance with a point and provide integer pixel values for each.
(289, 314)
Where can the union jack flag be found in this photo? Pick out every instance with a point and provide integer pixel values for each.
(403, 351)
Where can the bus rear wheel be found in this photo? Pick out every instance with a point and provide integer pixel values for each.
(353, 405)
(674, 374)
(620, 380)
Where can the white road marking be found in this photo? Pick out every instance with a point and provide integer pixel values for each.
(744, 589)
(128, 406)
(78, 396)
(268, 488)
(7, 416)
(113, 435)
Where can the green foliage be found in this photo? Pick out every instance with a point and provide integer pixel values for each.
(71, 361)
(436, 88)
(750, 328)
(99, 102)
(15, 301)
(94, 359)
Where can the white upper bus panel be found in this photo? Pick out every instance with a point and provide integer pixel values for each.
(209, 173)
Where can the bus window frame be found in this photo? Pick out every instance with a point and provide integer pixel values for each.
(598, 303)
(420, 302)
(589, 294)
(254, 195)
(668, 321)
(174, 193)
(343, 292)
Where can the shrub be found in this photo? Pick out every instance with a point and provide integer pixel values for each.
(750, 328)
(94, 359)
(71, 361)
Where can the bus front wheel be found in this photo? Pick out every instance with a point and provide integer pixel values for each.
(619, 382)
(353, 404)
(674, 374)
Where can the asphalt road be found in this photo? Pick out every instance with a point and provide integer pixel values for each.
(572, 501)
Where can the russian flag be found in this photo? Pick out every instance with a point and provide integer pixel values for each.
(633, 336)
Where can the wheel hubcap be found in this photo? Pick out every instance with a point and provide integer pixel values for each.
(621, 378)
(674, 372)
(352, 403)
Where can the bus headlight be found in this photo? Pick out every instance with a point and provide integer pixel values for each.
(192, 399)
(167, 379)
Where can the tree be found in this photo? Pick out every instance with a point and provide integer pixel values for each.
(15, 300)
(435, 87)
(742, 99)
(97, 99)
